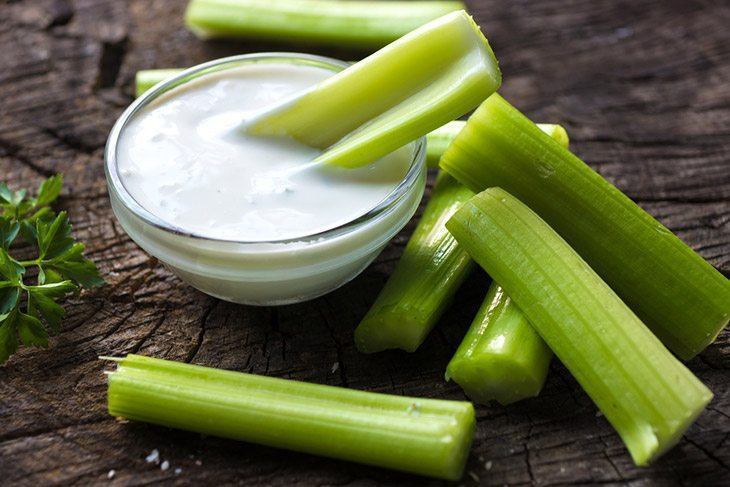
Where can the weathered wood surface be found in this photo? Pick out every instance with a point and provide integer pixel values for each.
(644, 89)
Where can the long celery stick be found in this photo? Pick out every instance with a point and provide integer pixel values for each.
(439, 139)
(429, 273)
(680, 297)
(414, 85)
(361, 24)
(644, 392)
(501, 357)
(423, 436)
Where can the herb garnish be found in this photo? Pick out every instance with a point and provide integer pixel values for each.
(28, 307)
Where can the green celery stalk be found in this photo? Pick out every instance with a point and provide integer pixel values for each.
(146, 79)
(414, 85)
(501, 357)
(423, 436)
(359, 24)
(425, 280)
(680, 297)
(429, 272)
(439, 139)
(648, 396)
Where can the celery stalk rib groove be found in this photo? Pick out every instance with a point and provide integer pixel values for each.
(680, 297)
(648, 396)
(361, 24)
(424, 436)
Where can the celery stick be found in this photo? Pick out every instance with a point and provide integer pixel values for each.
(682, 298)
(146, 79)
(423, 436)
(429, 77)
(360, 24)
(439, 139)
(425, 280)
(501, 357)
(428, 274)
(644, 392)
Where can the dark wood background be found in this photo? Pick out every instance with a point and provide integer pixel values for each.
(644, 90)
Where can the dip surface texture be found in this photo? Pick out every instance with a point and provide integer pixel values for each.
(187, 160)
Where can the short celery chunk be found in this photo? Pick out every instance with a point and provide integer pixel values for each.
(424, 436)
(680, 297)
(412, 86)
(429, 272)
(644, 392)
(502, 357)
(361, 24)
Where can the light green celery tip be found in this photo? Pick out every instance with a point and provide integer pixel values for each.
(418, 83)
(424, 436)
(361, 24)
(502, 357)
(425, 280)
(680, 296)
(146, 79)
(440, 139)
(427, 275)
(648, 396)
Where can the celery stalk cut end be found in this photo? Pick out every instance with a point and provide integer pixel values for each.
(497, 378)
(387, 329)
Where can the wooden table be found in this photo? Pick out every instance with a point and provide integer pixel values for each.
(644, 90)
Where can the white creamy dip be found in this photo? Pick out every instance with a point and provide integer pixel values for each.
(186, 159)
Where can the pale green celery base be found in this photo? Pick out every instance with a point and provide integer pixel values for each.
(680, 296)
(360, 24)
(423, 80)
(644, 392)
(424, 436)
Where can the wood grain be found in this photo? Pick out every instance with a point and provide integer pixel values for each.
(644, 90)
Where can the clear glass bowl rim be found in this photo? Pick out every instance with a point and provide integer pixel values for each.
(115, 183)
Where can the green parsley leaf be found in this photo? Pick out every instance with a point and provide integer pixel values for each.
(31, 331)
(61, 267)
(48, 191)
(8, 231)
(8, 340)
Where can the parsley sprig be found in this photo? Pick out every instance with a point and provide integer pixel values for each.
(28, 300)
